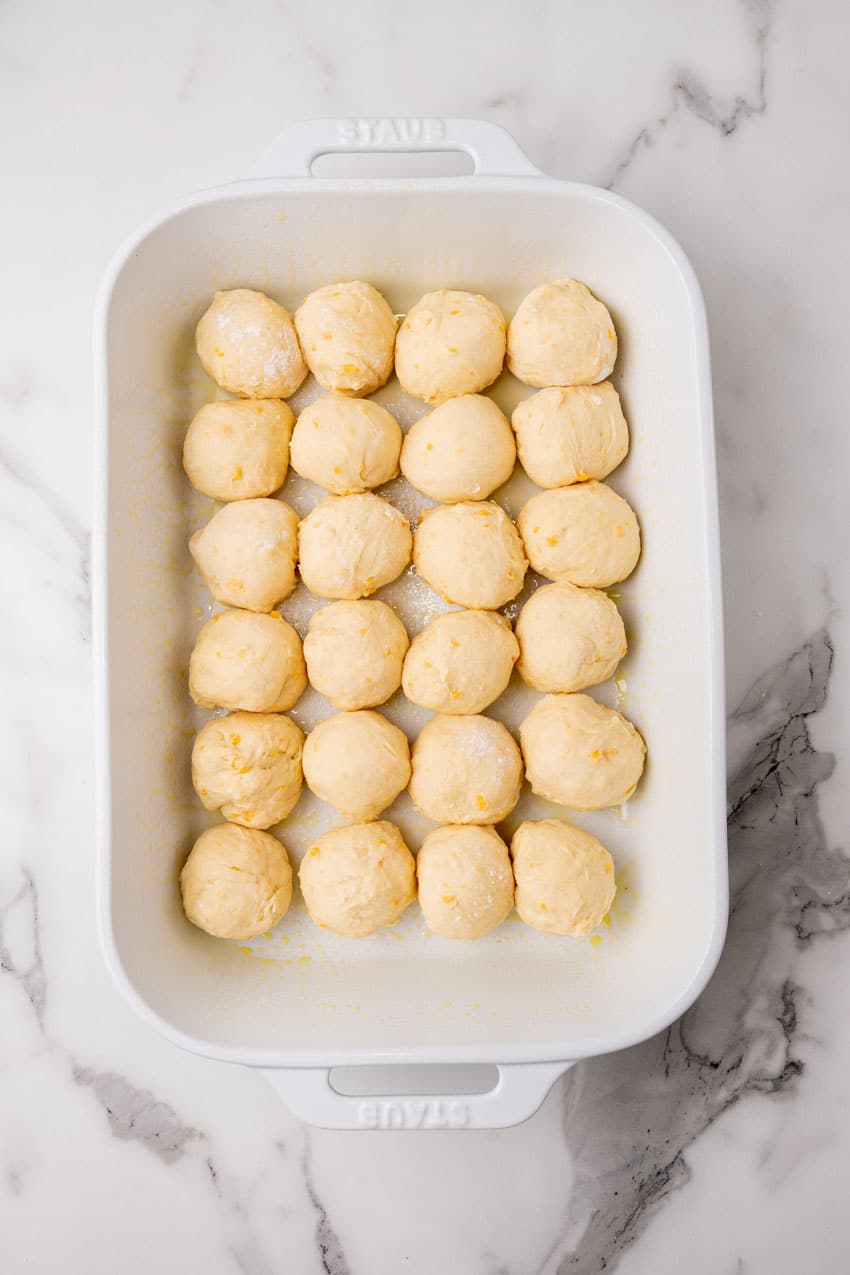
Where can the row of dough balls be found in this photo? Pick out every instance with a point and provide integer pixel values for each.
(237, 882)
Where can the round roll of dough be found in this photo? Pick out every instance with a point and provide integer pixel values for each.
(349, 546)
(466, 884)
(354, 653)
(465, 770)
(237, 882)
(463, 450)
(347, 335)
(567, 435)
(236, 450)
(569, 638)
(460, 662)
(564, 877)
(580, 753)
(357, 762)
(450, 343)
(471, 554)
(248, 766)
(346, 446)
(358, 878)
(561, 335)
(247, 553)
(243, 660)
(587, 535)
(247, 343)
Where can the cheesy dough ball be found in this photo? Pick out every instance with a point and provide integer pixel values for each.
(465, 770)
(249, 661)
(460, 662)
(585, 534)
(466, 884)
(564, 877)
(247, 553)
(347, 334)
(349, 546)
(567, 435)
(237, 882)
(247, 343)
(354, 653)
(569, 638)
(346, 446)
(580, 753)
(450, 343)
(357, 762)
(248, 766)
(236, 450)
(463, 450)
(471, 554)
(358, 878)
(561, 335)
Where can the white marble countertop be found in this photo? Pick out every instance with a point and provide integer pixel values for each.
(720, 1146)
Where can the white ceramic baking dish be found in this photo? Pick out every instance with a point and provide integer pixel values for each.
(300, 1002)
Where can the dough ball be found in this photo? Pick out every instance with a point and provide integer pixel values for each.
(465, 770)
(471, 554)
(466, 884)
(358, 878)
(561, 335)
(346, 446)
(236, 450)
(585, 534)
(357, 762)
(463, 450)
(567, 435)
(237, 882)
(354, 653)
(564, 877)
(249, 661)
(248, 766)
(247, 553)
(569, 638)
(247, 343)
(349, 546)
(460, 662)
(450, 343)
(580, 753)
(347, 334)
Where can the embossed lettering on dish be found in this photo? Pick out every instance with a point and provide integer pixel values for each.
(389, 132)
(412, 1113)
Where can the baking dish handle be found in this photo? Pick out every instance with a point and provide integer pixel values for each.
(492, 149)
(517, 1094)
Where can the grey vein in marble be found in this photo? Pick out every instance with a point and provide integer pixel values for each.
(20, 945)
(137, 1114)
(330, 1250)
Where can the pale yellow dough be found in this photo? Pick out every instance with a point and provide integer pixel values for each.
(236, 882)
(586, 534)
(569, 638)
(247, 343)
(580, 753)
(347, 335)
(463, 450)
(450, 343)
(247, 553)
(358, 878)
(349, 546)
(357, 762)
(236, 450)
(465, 770)
(561, 335)
(354, 653)
(346, 445)
(248, 766)
(564, 878)
(466, 884)
(567, 435)
(460, 662)
(471, 554)
(243, 660)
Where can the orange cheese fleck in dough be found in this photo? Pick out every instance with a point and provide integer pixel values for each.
(237, 473)
(481, 802)
(551, 540)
